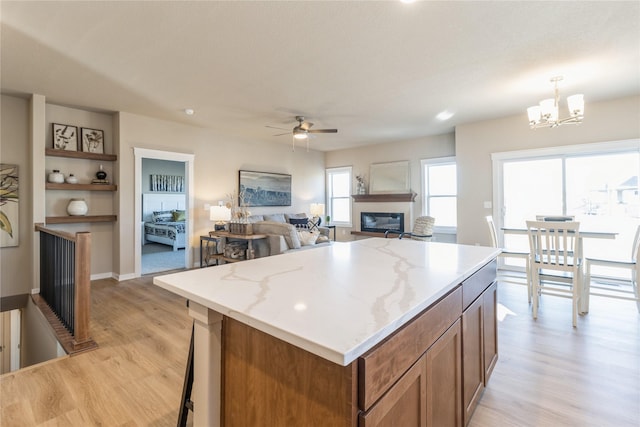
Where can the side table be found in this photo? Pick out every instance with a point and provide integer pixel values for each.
(208, 251)
(224, 236)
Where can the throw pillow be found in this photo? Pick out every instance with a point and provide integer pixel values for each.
(307, 238)
(275, 218)
(299, 222)
(162, 216)
(179, 215)
(322, 239)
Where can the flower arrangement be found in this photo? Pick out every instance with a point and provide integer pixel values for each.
(360, 184)
(237, 204)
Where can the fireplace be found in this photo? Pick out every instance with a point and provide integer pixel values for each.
(379, 222)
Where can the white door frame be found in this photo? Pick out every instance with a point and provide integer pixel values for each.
(188, 159)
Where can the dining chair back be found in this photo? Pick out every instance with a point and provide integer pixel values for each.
(556, 262)
(617, 290)
(556, 218)
(509, 253)
(422, 230)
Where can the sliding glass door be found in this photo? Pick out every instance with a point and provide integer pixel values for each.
(598, 185)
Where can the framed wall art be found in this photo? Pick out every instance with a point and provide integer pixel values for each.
(9, 206)
(92, 140)
(265, 188)
(65, 137)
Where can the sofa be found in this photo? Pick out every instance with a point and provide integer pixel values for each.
(287, 232)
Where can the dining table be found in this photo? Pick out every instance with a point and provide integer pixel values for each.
(587, 233)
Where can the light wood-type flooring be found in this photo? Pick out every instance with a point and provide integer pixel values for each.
(548, 373)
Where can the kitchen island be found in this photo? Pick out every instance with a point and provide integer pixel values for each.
(358, 333)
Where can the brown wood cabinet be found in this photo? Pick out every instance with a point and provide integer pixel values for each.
(420, 375)
(444, 379)
(479, 338)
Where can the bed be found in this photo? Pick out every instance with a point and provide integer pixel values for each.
(164, 219)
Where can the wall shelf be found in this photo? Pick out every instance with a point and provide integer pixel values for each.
(80, 155)
(81, 187)
(79, 219)
(396, 197)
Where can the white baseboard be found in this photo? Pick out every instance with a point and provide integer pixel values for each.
(121, 277)
(101, 276)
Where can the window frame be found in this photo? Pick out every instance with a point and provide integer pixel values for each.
(329, 196)
(424, 164)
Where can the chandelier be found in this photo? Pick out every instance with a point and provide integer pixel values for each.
(546, 114)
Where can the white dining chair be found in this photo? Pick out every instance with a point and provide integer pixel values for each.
(610, 291)
(510, 253)
(556, 262)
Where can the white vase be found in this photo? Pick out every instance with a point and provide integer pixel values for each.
(56, 177)
(77, 207)
(71, 179)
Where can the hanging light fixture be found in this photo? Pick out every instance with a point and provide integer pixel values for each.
(546, 114)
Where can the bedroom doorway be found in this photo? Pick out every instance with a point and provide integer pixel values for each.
(163, 215)
(163, 202)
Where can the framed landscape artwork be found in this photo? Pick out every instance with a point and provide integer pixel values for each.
(92, 140)
(265, 188)
(65, 137)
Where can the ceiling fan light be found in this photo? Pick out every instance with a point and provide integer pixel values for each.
(576, 105)
(300, 135)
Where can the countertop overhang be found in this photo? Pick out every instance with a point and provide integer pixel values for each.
(337, 301)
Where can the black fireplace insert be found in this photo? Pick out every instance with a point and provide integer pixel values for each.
(379, 222)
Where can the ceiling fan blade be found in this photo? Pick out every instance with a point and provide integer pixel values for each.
(324, 131)
(306, 125)
(273, 127)
(280, 134)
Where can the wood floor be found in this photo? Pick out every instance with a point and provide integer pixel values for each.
(548, 374)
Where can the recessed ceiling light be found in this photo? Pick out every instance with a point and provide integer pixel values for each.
(407, 1)
(189, 111)
(444, 115)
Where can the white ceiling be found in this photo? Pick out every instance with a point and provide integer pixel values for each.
(377, 71)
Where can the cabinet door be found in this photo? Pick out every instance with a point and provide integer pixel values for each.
(472, 362)
(490, 329)
(404, 403)
(444, 382)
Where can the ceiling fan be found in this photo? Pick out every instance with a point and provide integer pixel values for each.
(302, 130)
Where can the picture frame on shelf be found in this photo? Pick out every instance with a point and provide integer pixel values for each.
(265, 188)
(65, 137)
(92, 140)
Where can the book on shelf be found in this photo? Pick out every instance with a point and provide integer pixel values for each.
(100, 181)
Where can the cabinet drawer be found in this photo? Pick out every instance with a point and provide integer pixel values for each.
(383, 365)
(477, 283)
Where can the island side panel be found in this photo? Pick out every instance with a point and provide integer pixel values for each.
(267, 381)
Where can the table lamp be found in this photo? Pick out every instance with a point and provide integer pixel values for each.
(317, 209)
(221, 215)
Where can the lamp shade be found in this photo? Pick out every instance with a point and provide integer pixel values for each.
(219, 213)
(576, 104)
(316, 209)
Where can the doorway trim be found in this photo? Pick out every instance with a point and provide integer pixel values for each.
(188, 159)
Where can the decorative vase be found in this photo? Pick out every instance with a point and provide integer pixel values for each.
(101, 174)
(361, 188)
(71, 179)
(77, 207)
(56, 177)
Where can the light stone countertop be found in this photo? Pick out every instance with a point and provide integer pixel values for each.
(337, 301)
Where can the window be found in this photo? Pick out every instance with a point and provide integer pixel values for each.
(595, 183)
(339, 196)
(440, 186)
